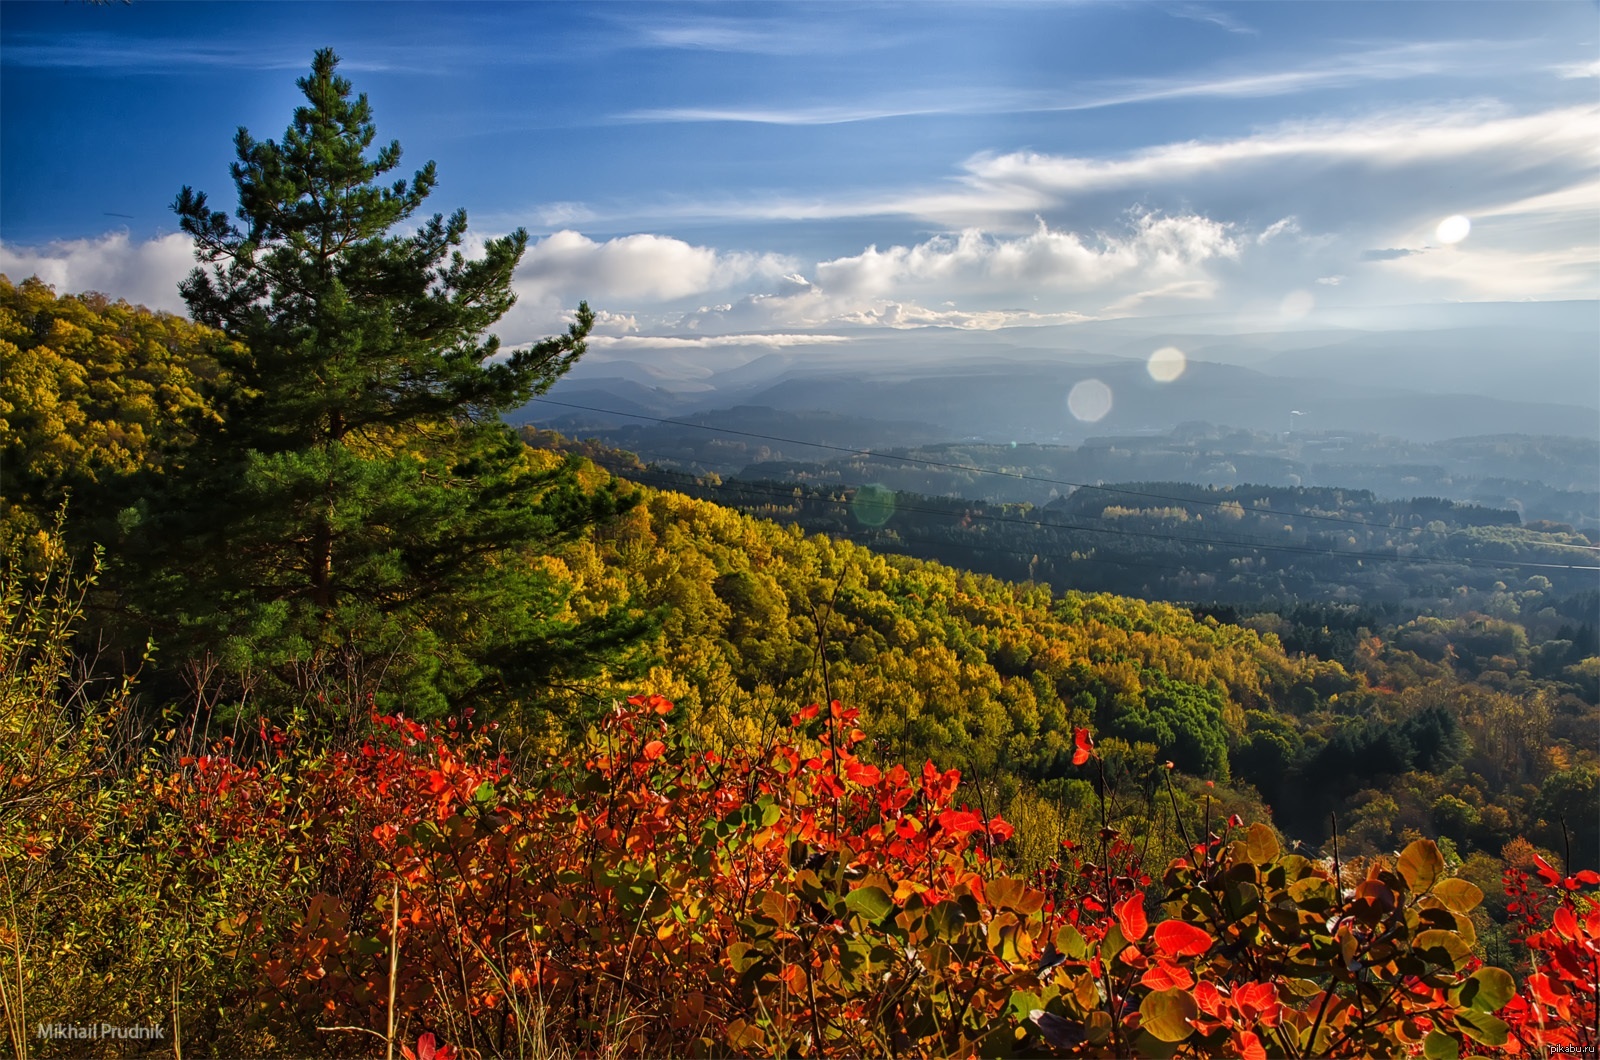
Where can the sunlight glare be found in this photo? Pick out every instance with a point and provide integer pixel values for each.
(1089, 401)
(1296, 304)
(872, 505)
(1166, 364)
(1453, 229)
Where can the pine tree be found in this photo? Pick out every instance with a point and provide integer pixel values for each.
(363, 518)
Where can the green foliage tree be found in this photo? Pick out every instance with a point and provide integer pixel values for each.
(362, 519)
(93, 391)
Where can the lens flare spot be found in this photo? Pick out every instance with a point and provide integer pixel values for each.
(1166, 364)
(1089, 401)
(872, 505)
(1453, 229)
(1297, 304)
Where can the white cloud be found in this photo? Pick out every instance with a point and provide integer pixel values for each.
(1192, 290)
(145, 273)
(609, 323)
(1326, 173)
(568, 265)
(754, 35)
(1284, 226)
(977, 277)
(1572, 71)
(701, 342)
(1386, 143)
(1201, 13)
(1393, 63)
(1539, 246)
(101, 51)
(562, 214)
(1155, 247)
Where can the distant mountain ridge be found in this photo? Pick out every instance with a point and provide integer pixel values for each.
(1026, 400)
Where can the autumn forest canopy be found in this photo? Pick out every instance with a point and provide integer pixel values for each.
(340, 716)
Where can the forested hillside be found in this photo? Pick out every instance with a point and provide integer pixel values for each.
(994, 676)
(1250, 545)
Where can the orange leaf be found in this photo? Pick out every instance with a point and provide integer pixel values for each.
(1258, 1000)
(654, 750)
(857, 773)
(1166, 976)
(1174, 938)
(960, 822)
(1130, 915)
(1250, 1047)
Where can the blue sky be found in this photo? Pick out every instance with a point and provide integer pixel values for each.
(793, 170)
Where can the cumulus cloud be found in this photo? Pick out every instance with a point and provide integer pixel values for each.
(145, 272)
(609, 323)
(1155, 247)
(976, 278)
(568, 264)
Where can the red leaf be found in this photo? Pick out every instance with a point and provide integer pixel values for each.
(1565, 923)
(1258, 1000)
(857, 773)
(1250, 1046)
(1130, 915)
(1166, 976)
(1174, 938)
(960, 822)
(1084, 745)
(1544, 991)
(654, 750)
(1546, 873)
